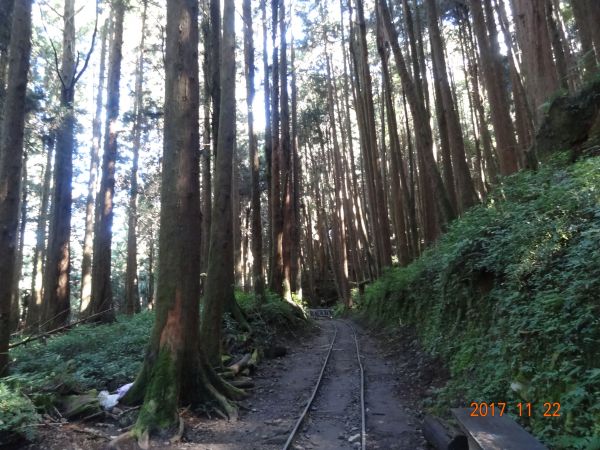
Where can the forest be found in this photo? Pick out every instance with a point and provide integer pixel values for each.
(185, 185)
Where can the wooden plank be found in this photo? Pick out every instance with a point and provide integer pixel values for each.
(496, 432)
(316, 313)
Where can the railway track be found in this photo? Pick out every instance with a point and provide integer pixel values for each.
(341, 362)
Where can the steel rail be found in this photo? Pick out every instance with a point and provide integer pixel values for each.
(363, 433)
(292, 435)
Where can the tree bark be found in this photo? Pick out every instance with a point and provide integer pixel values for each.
(11, 162)
(175, 371)
(6, 23)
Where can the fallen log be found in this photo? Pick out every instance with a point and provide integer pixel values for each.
(240, 365)
(56, 330)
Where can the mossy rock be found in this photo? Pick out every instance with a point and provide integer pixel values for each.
(571, 122)
(82, 405)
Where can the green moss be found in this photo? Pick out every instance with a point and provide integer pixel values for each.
(159, 411)
(508, 297)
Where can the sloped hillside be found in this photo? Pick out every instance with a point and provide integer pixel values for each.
(510, 299)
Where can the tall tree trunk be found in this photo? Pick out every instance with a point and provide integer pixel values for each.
(436, 203)
(249, 68)
(175, 370)
(541, 79)
(151, 257)
(132, 293)
(57, 271)
(366, 108)
(11, 162)
(88, 239)
(296, 267)
(587, 15)
(558, 47)
(32, 321)
(236, 212)
(398, 181)
(491, 169)
(5, 26)
(498, 97)
(218, 294)
(101, 304)
(268, 133)
(15, 309)
(286, 160)
(465, 191)
(205, 148)
(276, 266)
(340, 264)
(523, 116)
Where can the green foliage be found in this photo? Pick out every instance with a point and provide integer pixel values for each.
(102, 357)
(18, 415)
(508, 298)
(270, 317)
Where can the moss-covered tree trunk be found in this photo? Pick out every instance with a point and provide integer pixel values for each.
(175, 370)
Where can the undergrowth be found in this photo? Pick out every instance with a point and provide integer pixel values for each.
(268, 319)
(509, 299)
(108, 356)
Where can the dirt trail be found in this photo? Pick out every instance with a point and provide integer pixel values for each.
(282, 387)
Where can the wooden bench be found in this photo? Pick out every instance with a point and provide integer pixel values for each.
(495, 432)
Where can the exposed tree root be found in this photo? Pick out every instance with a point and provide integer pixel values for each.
(239, 316)
(177, 437)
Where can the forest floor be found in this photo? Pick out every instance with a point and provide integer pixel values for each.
(397, 377)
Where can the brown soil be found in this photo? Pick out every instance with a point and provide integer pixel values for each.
(397, 376)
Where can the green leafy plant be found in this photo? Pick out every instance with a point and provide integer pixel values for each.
(508, 297)
(18, 416)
